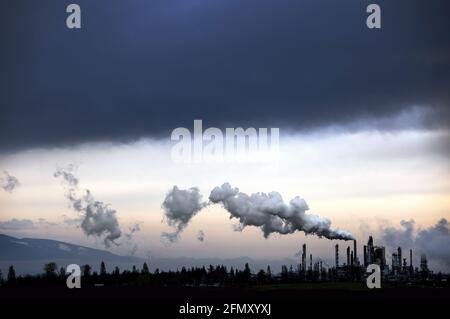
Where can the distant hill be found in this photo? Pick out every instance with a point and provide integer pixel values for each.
(12, 248)
(28, 255)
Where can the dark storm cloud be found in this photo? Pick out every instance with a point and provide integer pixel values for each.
(142, 68)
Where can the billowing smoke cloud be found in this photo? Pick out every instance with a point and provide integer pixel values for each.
(272, 215)
(97, 218)
(266, 211)
(201, 235)
(433, 241)
(180, 205)
(403, 237)
(9, 182)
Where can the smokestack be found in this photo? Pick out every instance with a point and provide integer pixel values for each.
(304, 257)
(370, 242)
(310, 261)
(410, 260)
(354, 252)
(365, 255)
(337, 256)
(348, 255)
(370, 251)
(351, 258)
(399, 255)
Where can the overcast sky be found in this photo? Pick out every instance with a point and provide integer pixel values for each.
(140, 68)
(363, 114)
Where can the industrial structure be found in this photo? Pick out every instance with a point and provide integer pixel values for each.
(355, 270)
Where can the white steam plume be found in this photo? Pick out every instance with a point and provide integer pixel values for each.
(97, 218)
(266, 211)
(180, 205)
(272, 215)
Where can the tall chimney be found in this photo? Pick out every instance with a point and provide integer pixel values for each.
(337, 256)
(304, 258)
(310, 262)
(365, 255)
(355, 254)
(410, 260)
(351, 258)
(348, 255)
(370, 242)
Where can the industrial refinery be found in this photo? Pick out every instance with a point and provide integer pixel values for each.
(351, 268)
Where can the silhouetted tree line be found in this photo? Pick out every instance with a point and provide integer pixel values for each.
(195, 276)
